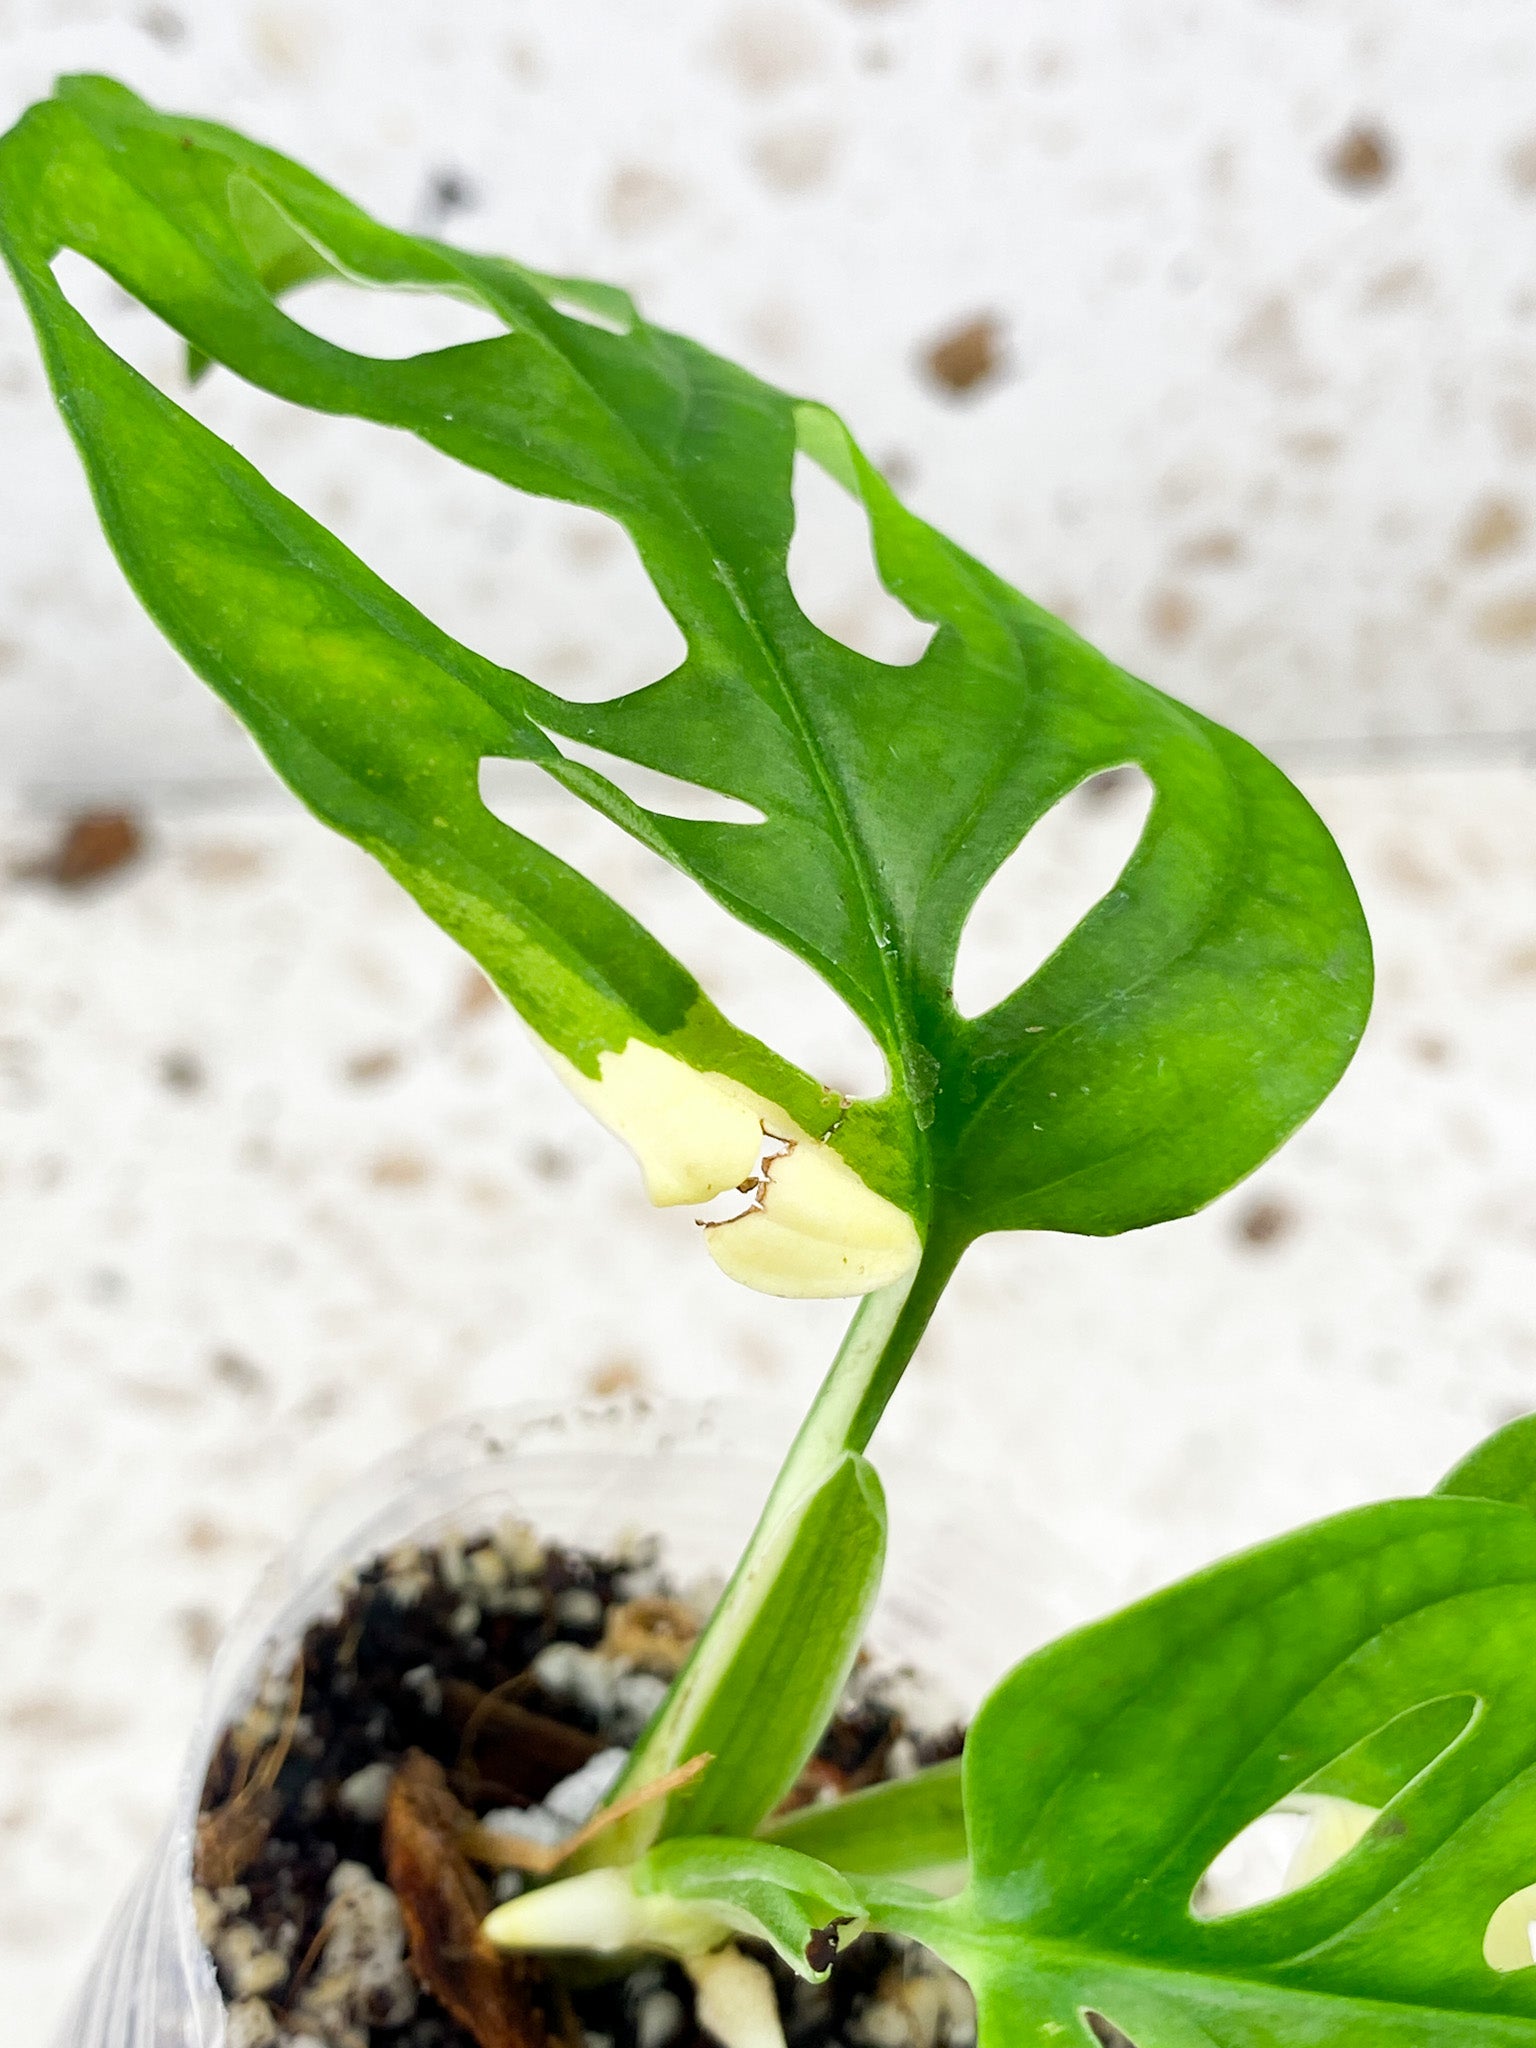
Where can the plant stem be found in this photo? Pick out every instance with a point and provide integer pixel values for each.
(886, 1329)
(880, 1341)
(885, 1370)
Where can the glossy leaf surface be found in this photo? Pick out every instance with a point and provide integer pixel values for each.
(1195, 1016)
(1387, 1658)
(1105, 1774)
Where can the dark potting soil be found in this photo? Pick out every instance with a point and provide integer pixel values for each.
(503, 1674)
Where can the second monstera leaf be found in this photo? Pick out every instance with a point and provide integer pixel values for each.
(1373, 1672)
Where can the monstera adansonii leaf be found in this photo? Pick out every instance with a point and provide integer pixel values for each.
(1104, 1776)
(1378, 1669)
(1197, 1014)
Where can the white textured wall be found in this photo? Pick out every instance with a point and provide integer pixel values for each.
(276, 1190)
(1266, 433)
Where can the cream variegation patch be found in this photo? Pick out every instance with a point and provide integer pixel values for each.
(815, 1229)
(694, 1134)
(1510, 1943)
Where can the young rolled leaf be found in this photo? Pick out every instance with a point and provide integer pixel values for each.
(688, 1897)
(1198, 1012)
(1390, 1652)
(804, 1909)
(764, 1678)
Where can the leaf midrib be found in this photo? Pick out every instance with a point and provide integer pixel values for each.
(792, 713)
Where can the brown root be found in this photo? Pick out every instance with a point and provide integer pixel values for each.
(504, 2001)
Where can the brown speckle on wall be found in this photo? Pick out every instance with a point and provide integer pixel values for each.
(968, 356)
(1363, 158)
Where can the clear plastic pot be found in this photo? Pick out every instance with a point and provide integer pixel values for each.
(695, 1476)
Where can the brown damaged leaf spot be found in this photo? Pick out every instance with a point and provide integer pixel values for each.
(814, 1228)
(505, 2001)
(821, 1950)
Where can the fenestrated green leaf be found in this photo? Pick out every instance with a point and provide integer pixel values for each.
(1382, 1659)
(1106, 1773)
(1194, 1017)
(1376, 1770)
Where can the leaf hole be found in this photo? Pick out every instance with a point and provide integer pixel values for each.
(386, 321)
(834, 577)
(556, 592)
(1067, 862)
(1264, 1861)
(598, 305)
(1303, 1836)
(124, 323)
(757, 983)
(389, 322)
(1510, 1942)
(669, 796)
